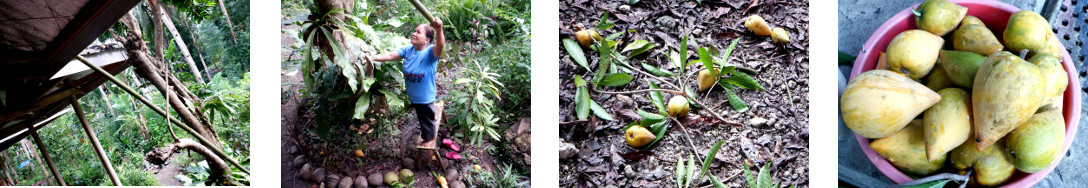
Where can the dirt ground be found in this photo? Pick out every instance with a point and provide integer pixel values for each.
(774, 130)
(384, 154)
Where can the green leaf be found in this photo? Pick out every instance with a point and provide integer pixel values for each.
(599, 111)
(748, 176)
(679, 171)
(578, 81)
(735, 101)
(846, 59)
(638, 46)
(708, 62)
(684, 54)
(582, 103)
(659, 129)
(657, 99)
(361, 106)
(604, 24)
(613, 36)
(725, 58)
(691, 172)
(615, 79)
(657, 71)
(576, 53)
(765, 176)
(743, 80)
(605, 63)
(717, 183)
(709, 158)
(631, 2)
(649, 119)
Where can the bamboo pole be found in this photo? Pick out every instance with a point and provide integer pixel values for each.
(422, 10)
(45, 154)
(192, 132)
(94, 142)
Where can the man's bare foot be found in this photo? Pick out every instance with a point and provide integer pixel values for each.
(429, 144)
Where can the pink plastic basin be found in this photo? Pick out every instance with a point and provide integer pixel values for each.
(996, 16)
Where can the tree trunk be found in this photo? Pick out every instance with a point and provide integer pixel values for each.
(10, 181)
(165, 19)
(325, 6)
(33, 153)
(196, 46)
(156, 23)
(149, 69)
(218, 167)
(109, 105)
(229, 23)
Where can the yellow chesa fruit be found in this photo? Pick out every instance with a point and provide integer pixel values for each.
(638, 136)
(707, 79)
(1007, 91)
(359, 153)
(1028, 30)
(939, 16)
(678, 106)
(758, 25)
(914, 52)
(587, 37)
(780, 36)
(878, 103)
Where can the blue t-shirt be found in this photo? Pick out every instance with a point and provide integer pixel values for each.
(419, 67)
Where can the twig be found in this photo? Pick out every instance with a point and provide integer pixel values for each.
(573, 122)
(949, 176)
(638, 91)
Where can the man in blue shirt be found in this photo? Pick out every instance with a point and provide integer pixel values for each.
(419, 65)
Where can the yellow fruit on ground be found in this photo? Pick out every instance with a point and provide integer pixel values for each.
(442, 182)
(878, 103)
(477, 167)
(707, 79)
(587, 37)
(359, 153)
(914, 52)
(939, 16)
(637, 137)
(678, 106)
(758, 25)
(1007, 91)
(948, 123)
(780, 36)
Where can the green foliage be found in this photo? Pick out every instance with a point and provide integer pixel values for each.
(685, 173)
(506, 177)
(763, 180)
(473, 102)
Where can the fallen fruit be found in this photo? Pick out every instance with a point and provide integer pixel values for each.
(973, 36)
(758, 25)
(390, 178)
(939, 16)
(906, 150)
(1007, 91)
(406, 175)
(706, 80)
(678, 106)
(947, 123)
(442, 182)
(1038, 142)
(637, 137)
(914, 52)
(477, 167)
(878, 103)
(587, 37)
(780, 36)
(359, 153)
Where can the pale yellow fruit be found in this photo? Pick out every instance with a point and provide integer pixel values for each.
(587, 37)
(1007, 91)
(707, 79)
(1036, 144)
(780, 36)
(678, 106)
(914, 52)
(758, 25)
(878, 103)
(906, 150)
(638, 136)
(947, 123)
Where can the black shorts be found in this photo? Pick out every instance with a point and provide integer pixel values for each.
(425, 114)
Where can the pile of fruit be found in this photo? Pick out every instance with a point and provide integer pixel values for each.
(982, 108)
